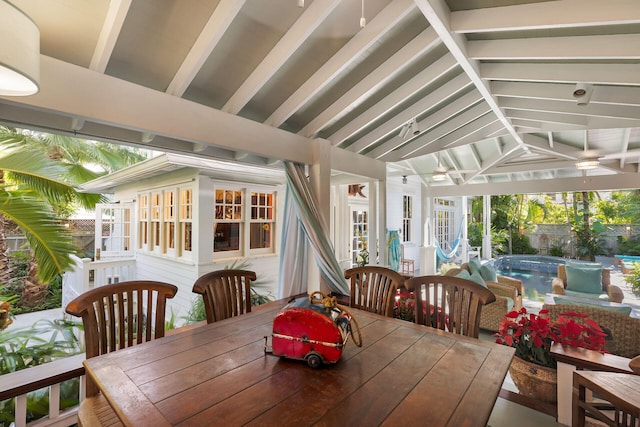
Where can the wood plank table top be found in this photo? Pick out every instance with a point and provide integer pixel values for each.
(219, 374)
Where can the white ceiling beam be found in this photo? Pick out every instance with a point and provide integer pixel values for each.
(598, 110)
(349, 54)
(563, 72)
(564, 91)
(431, 101)
(75, 91)
(476, 132)
(111, 28)
(545, 15)
(560, 121)
(426, 138)
(509, 149)
(618, 46)
(583, 183)
(214, 29)
(395, 99)
(438, 14)
(440, 116)
(378, 78)
(311, 19)
(559, 149)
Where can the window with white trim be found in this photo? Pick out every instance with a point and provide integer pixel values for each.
(186, 221)
(262, 222)
(169, 221)
(143, 222)
(155, 212)
(244, 222)
(407, 218)
(228, 224)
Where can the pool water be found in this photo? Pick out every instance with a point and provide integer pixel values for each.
(536, 283)
(535, 271)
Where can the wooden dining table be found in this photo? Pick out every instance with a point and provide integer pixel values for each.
(220, 374)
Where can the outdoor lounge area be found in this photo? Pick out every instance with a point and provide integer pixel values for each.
(328, 150)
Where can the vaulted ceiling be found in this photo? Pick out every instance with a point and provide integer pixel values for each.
(480, 89)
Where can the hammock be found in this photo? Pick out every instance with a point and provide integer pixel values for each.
(451, 254)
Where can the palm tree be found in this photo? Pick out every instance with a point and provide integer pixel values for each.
(38, 175)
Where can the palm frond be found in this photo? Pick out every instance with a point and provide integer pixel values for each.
(50, 242)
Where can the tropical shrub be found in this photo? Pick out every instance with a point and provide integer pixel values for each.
(22, 348)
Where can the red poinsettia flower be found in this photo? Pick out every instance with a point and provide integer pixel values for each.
(532, 334)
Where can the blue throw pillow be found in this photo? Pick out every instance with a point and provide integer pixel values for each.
(488, 273)
(474, 265)
(584, 279)
(464, 274)
(622, 309)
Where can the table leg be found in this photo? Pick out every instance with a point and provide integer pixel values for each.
(565, 392)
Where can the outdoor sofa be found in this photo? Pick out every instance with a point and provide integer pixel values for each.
(508, 291)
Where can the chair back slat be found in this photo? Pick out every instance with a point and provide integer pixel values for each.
(120, 315)
(449, 303)
(226, 293)
(373, 288)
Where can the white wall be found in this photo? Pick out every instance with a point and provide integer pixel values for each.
(395, 191)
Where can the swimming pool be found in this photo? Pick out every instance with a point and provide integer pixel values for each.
(535, 271)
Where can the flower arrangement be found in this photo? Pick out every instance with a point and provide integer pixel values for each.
(404, 305)
(532, 334)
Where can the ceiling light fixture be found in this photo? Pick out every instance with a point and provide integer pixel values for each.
(582, 93)
(404, 179)
(440, 176)
(363, 21)
(300, 3)
(19, 52)
(587, 164)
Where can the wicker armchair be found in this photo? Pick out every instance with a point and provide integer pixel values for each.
(504, 289)
(623, 331)
(559, 284)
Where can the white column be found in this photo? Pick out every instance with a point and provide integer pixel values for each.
(372, 221)
(428, 249)
(382, 222)
(464, 236)
(320, 179)
(486, 227)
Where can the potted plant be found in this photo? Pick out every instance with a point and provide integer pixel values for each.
(533, 368)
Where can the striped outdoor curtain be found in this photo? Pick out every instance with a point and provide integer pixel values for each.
(314, 226)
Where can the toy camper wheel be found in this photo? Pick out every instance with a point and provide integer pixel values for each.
(314, 360)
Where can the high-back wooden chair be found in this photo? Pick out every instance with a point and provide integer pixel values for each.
(449, 303)
(373, 288)
(226, 293)
(115, 317)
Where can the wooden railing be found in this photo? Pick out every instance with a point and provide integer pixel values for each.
(18, 384)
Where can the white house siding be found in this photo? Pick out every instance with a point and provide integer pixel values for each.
(153, 267)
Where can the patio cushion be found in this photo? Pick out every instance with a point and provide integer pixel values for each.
(474, 265)
(586, 278)
(488, 273)
(599, 296)
(626, 310)
(475, 277)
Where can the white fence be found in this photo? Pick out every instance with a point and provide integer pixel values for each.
(87, 274)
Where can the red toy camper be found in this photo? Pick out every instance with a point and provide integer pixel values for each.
(311, 329)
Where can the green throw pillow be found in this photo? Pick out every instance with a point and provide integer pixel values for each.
(584, 264)
(475, 277)
(584, 279)
(474, 265)
(488, 273)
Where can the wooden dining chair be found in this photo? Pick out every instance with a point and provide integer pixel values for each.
(226, 293)
(373, 288)
(115, 317)
(449, 303)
